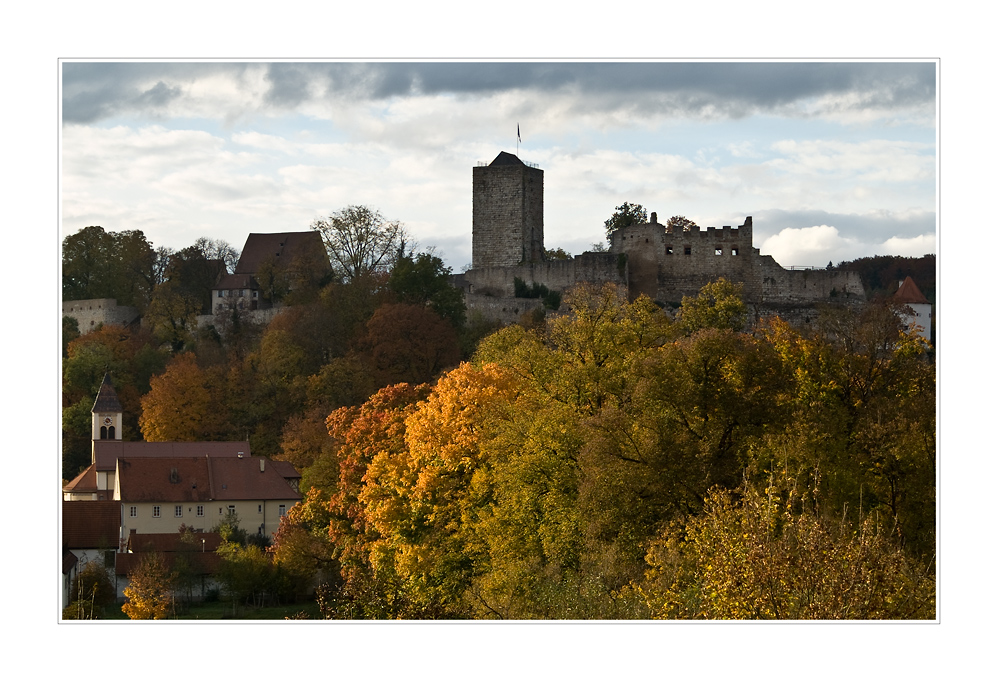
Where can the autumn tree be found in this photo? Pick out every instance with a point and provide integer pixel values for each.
(185, 403)
(150, 589)
(756, 558)
(409, 343)
(360, 241)
(719, 305)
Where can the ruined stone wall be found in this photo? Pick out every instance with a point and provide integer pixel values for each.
(507, 215)
(96, 311)
(667, 266)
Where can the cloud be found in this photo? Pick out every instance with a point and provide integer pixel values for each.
(713, 90)
(819, 244)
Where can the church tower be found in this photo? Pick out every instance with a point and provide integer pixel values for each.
(106, 415)
(507, 213)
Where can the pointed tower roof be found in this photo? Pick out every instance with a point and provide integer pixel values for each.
(107, 399)
(909, 292)
(507, 159)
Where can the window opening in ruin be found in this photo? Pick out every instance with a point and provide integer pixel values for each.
(687, 250)
(668, 250)
(718, 251)
(734, 251)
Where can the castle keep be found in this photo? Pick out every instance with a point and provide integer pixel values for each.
(650, 258)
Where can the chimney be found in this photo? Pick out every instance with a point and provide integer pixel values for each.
(262, 460)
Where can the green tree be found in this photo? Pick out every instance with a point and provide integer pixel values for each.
(91, 593)
(425, 280)
(625, 215)
(361, 242)
(99, 264)
(680, 223)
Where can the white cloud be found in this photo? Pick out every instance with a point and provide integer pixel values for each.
(819, 244)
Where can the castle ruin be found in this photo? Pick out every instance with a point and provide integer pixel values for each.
(650, 258)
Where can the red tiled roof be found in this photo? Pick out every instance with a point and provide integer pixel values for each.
(282, 246)
(909, 292)
(285, 469)
(85, 482)
(107, 452)
(170, 542)
(91, 524)
(243, 479)
(241, 281)
(203, 563)
(199, 479)
(166, 479)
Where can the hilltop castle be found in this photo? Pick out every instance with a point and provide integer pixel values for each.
(650, 258)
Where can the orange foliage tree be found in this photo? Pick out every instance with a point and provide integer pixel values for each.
(185, 403)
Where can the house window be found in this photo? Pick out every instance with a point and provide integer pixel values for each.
(687, 250)
(155, 511)
(133, 511)
(280, 510)
(178, 511)
(259, 509)
(232, 509)
(200, 510)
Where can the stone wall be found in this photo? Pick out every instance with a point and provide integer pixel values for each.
(557, 275)
(91, 313)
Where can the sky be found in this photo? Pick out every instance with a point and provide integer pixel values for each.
(833, 160)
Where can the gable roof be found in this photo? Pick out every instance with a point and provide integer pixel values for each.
(107, 452)
(107, 398)
(201, 479)
(91, 524)
(909, 292)
(282, 246)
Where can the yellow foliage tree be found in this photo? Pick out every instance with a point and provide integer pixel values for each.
(149, 591)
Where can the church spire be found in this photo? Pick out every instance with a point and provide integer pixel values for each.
(106, 414)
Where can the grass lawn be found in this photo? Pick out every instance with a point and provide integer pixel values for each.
(222, 610)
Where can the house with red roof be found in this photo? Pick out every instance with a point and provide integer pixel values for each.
(157, 495)
(157, 487)
(916, 309)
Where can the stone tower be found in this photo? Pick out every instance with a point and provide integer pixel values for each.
(508, 213)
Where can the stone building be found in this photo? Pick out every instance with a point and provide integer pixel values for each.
(649, 258)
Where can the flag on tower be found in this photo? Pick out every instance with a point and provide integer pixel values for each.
(518, 133)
